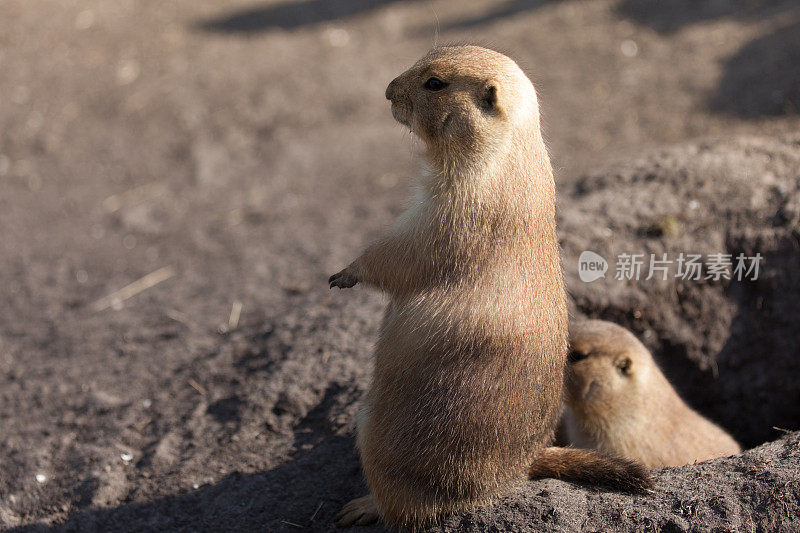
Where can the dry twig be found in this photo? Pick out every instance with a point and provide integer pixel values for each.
(117, 297)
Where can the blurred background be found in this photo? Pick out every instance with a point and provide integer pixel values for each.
(177, 180)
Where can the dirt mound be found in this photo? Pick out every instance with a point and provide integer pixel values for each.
(729, 345)
(752, 491)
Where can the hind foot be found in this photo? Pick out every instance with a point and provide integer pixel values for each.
(359, 512)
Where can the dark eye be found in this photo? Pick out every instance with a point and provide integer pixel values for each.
(624, 365)
(435, 84)
(575, 356)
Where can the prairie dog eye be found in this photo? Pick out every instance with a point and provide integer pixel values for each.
(624, 365)
(435, 84)
(575, 356)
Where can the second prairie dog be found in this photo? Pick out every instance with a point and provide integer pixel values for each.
(470, 357)
(619, 402)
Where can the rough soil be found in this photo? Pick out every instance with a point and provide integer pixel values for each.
(248, 149)
(730, 346)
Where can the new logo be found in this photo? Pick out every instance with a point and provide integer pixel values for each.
(591, 266)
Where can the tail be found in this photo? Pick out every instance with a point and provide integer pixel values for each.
(593, 468)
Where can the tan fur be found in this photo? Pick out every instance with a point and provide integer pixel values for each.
(469, 362)
(634, 413)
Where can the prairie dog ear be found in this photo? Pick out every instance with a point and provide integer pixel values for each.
(490, 96)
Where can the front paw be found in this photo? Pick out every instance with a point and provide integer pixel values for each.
(344, 279)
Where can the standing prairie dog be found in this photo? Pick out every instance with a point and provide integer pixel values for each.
(619, 402)
(470, 358)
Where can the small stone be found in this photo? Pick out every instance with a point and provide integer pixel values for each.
(665, 226)
(337, 37)
(84, 20)
(629, 48)
(127, 72)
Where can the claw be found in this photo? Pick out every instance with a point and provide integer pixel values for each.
(359, 512)
(342, 280)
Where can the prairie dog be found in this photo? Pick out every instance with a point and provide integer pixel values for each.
(619, 402)
(469, 363)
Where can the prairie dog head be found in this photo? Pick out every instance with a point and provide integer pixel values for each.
(465, 102)
(609, 372)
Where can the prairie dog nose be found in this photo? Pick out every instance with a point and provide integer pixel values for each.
(391, 90)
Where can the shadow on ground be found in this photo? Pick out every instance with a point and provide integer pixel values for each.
(666, 16)
(763, 77)
(289, 15)
(323, 469)
(506, 10)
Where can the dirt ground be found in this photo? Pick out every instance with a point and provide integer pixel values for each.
(240, 153)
